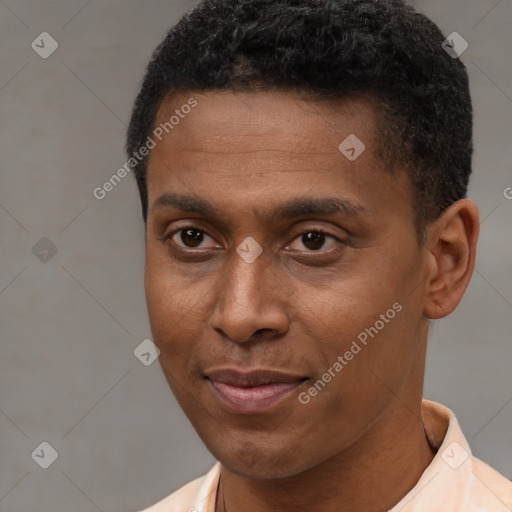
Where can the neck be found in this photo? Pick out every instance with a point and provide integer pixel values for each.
(372, 475)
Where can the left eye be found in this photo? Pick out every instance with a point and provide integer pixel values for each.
(315, 240)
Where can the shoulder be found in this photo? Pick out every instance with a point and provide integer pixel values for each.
(196, 496)
(455, 480)
(490, 490)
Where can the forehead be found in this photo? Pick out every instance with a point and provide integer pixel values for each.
(303, 125)
(266, 146)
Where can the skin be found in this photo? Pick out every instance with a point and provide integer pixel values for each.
(359, 445)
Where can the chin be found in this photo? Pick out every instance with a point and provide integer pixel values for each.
(260, 462)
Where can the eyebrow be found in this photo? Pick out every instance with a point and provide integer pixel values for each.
(295, 207)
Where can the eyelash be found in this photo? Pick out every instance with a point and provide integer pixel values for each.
(165, 238)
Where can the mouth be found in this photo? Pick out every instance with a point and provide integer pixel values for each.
(252, 392)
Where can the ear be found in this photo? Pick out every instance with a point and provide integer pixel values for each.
(451, 241)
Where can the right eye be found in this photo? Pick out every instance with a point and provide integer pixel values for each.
(189, 237)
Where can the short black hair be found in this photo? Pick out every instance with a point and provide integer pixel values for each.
(328, 49)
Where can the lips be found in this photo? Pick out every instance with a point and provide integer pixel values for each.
(252, 392)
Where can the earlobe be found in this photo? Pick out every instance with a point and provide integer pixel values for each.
(452, 241)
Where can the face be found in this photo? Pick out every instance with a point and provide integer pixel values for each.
(272, 255)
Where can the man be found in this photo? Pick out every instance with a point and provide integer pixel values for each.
(303, 168)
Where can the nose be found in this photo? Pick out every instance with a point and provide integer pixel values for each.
(251, 301)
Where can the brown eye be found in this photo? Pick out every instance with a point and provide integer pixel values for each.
(191, 238)
(314, 240)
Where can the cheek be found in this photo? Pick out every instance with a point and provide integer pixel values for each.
(171, 308)
(173, 327)
(368, 324)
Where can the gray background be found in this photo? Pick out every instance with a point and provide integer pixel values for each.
(69, 325)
